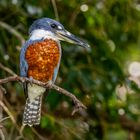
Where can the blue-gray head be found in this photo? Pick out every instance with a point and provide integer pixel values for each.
(46, 27)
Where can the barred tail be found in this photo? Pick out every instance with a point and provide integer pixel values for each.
(32, 111)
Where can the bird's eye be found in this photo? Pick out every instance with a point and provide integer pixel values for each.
(53, 25)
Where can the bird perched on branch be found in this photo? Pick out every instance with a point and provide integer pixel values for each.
(40, 59)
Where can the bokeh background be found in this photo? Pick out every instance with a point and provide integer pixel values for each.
(105, 78)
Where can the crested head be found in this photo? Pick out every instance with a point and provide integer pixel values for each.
(44, 28)
(48, 28)
(45, 24)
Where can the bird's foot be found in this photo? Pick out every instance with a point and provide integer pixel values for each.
(31, 80)
(49, 83)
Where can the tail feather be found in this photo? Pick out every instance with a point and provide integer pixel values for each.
(32, 111)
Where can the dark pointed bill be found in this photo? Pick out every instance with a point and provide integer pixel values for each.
(67, 36)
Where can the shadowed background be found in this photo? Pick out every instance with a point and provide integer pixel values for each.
(105, 78)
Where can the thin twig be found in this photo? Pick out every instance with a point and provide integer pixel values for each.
(78, 104)
(1, 98)
(55, 9)
(3, 119)
(12, 31)
(2, 135)
(11, 116)
(2, 90)
(7, 111)
(7, 69)
(21, 129)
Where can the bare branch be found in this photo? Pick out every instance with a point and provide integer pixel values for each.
(2, 135)
(55, 9)
(2, 90)
(3, 119)
(12, 31)
(78, 104)
(1, 98)
(10, 115)
(7, 111)
(7, 69)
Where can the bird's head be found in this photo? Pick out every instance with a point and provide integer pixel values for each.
(49, 28)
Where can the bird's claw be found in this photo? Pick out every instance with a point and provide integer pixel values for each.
(49, 83)
(31, 80)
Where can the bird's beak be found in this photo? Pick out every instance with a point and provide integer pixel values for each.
(67, 36)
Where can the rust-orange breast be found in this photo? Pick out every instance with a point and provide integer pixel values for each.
(42, 58)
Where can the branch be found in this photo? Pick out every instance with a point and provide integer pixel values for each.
(10, 115)
(2, 135)
(78, 105)
(12, 31)
(7, 69)
(8, 112)
(55, 9)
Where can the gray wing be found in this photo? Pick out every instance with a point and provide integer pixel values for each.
(23, 62)
(24, 65)
(57, 67)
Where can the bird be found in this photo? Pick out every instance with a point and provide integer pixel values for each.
(40, 58)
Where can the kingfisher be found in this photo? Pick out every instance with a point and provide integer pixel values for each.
(40, 59)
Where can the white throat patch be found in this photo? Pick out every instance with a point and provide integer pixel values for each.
(40, 33)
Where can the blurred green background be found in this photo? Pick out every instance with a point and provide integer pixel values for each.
(105, 78)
